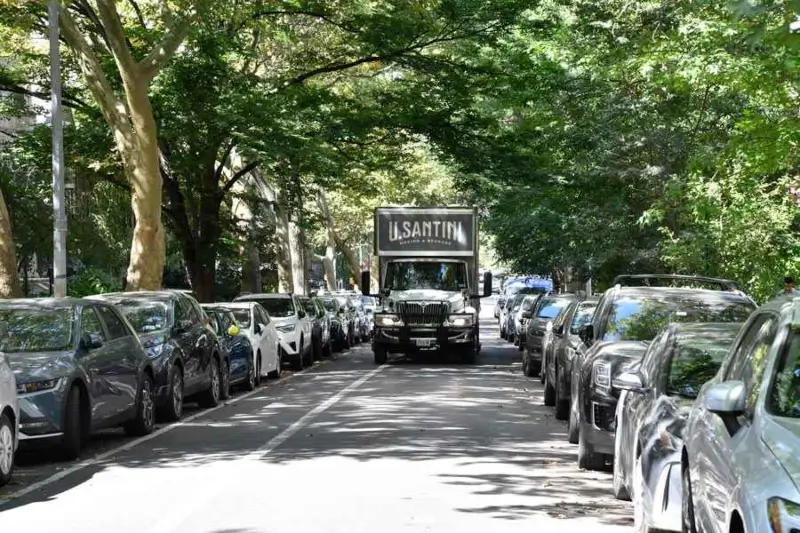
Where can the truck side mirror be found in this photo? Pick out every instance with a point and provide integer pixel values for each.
(365, 282)
(487, 284)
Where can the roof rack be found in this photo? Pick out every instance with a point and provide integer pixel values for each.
(630, 280)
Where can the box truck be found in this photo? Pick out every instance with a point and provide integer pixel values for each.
(427, 260)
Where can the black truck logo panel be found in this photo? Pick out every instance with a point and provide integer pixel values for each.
(420, 233)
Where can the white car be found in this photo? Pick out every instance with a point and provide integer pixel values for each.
(291, 322)
(256, 324)
(9, 420)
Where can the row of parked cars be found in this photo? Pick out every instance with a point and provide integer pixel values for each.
(682, 386)
(70, 367)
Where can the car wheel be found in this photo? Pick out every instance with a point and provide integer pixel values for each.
(562, 405)
(225, 391)
(574, 429)
(688, 523)
(299, 360)
(251, 384)
(173, 410)
(275, 374)
(521, 346)
(145, 420)
(587, 458)
(328, 352)
(212, 394)
(549, 391)
(618, 481)
(6, 449)
(72, 439)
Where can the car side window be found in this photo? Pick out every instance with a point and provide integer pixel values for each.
(752, 370)
(90, 323)
(745, 346)
(181, 311)
(116, 328)
(263, 317)
(653, 359)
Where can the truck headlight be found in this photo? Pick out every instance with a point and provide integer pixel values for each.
(602, 374)
(388, 320)
(461, 321)
(784, 516)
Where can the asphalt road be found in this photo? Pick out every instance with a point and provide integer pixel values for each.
(343, 447)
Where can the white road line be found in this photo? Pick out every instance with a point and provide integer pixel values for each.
(132, 444)
(172, 522)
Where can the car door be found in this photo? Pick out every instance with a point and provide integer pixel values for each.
(270, 339)
(265, 345)
(128, 354)
(100, 362)
(716, 454)
(190, 336)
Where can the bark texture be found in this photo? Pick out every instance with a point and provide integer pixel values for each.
(283, 252)
(9, 275)
(330, 241)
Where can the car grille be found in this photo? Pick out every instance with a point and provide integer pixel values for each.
(420, 313)
(603, 416)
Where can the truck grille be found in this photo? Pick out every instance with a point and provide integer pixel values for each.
(420, 313)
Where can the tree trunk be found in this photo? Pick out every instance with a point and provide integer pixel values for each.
(352, 260)
(9, 275)
(297, 259)
(330, 240)
(283, 252)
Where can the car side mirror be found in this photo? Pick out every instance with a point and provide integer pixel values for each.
(586, 333)
(233, 331)
(90, 341)
(487, 284)
(366, 282)
(630, 381)
(726, 399)
(559, 330)
(527, 314)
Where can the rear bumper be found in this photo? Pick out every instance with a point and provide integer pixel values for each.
(404, 339)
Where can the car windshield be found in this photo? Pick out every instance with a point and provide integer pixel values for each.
(242, 317)
(275, 307)
(409, 275)
(583, 315)
(641, 319)
(696, 358)
(784, 395)
(27, 329)
(331, 305)
(551, 307)
(146, 316)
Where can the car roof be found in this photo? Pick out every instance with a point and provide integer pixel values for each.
(786, 304)
(140, 295)
(229, 305)
(46, 303)
(263, 296)
(683, 292)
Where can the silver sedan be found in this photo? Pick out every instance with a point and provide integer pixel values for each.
(9, 420)
(740, 462)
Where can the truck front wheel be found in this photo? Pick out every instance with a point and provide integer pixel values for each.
(380, 355)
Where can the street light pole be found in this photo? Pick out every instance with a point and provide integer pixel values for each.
(59, 208)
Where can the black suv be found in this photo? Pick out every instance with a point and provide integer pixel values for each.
(629, 316)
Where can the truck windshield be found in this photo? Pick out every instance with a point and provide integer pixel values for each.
(443, 276)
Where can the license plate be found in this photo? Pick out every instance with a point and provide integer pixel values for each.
(424, 342)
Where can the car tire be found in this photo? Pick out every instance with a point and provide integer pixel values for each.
(510, 337)
(618, 481)
(688, 523)
(172, 411)
(380, 355)
(588, 459)
(574, 428)
(211, 396)
(298, 363)
(252, 372)
(328, 352)
(549, 391)
(6, 449)
(72, 439)
(145, 421)
(275, 374)
(562, 405)
(225, 381)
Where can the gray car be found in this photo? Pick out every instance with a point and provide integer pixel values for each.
(739, 464)
(9, 420)
(79, 367)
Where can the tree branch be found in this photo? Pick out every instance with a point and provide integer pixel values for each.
(236, 177)
(138, 12)
(170, 42)
(115, 36)
(315, 14)
(225, 156)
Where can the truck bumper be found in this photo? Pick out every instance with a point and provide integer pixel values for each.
(407, 339)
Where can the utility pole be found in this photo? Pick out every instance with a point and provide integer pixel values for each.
(59, 208)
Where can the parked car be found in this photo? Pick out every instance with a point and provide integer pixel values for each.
(523, 317)
(254, 321)
(657, 395)
(243, 362)
(292, 323)
(348, 309)
(739, 461)
(340, 324)
(363, 317)
(325, 320)
(79, 367)
(549, 344)
(562, 349)
(9, 420)
(318, 322)
(544, 312)
(633, 314)
(182, 346)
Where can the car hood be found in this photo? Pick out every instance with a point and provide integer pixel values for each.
(35, 366)
(782, 437)
(284, 320)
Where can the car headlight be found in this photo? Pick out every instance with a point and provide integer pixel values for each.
(784, 516)
(388, 321)
(602, 374)
(288, 328)
(38, 386)
(155, 350)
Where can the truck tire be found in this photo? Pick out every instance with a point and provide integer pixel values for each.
(380, 355)
(470, 355)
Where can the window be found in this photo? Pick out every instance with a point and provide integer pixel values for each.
(784, 395)
(261, 316)
(751, 360)
(90, 324)
(242, 317)
(583, 316)
(696, 359)
(308, 305)
(743, 348)
(651, 360)
(24, 329)
(551, 307)
(438, 275)
(215, 323)
(116, 328)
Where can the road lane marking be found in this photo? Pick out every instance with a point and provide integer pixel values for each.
(171, 523)
(132, 444)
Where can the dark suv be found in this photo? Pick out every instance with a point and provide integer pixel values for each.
(185, 350)
(628, 316)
